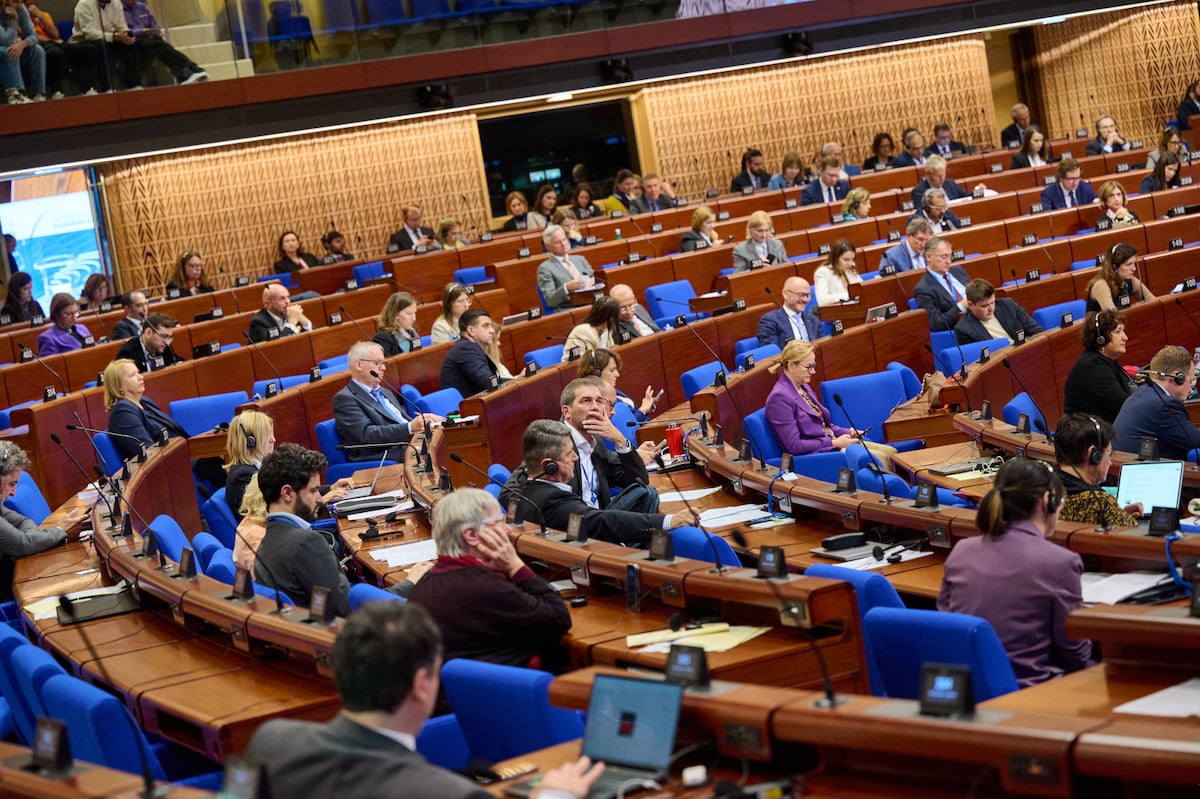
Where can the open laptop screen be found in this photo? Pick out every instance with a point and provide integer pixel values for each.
(632, 722)
(1155, 484)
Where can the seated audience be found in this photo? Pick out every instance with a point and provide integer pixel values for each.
(1022, 584)
(187, 279)
(935, 208)
(292, 256)
(492, 350)
(544, 206)
(942, 291)
(857, 205)
(754, 172)
(598, 329)
(1083, 453)
(368, 412)
(136, 307)
(20, 306)
(562, 273)
(790, 174)
(935, 178)
(372, 740)
(1165, 175)
(412, 234)
(634, 319)
(63, 334)
(151, 350)
(1014, 134)
(488, 603)
(883, 150)
(832, 149)
(52, 45)
(253, 524)
(450, 235)
(653, 197)
(581, 202)
(796, 416)
(703, 233)
(622, 197)
(944, 144)
(988, 318)
(96, 291)
(335, 248)
(1117, 287)
(1108, 138)
(606, 364)
(914, 150)
(1188, 107)
(829, 187)
(1097, 383)
(152, 46)
(1155, 408)
(909, 254)
(564, 217)
(551, 496)
(10, 244)
(278, 317)
(832, 280)
(1070, 190)
(467, 366)
(397, 325)
(455, 302)
(760, 248)
(21, 536)
(100, 40)
(1112, 199)
(791, 320)
(1170, 142)
(132, 416)
(1034, 150)
(518, 211)
(20, 43)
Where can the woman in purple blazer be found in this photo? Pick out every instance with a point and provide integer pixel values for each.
(63, 335)
(1022, 584)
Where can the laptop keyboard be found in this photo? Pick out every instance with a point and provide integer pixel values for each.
(358, 493)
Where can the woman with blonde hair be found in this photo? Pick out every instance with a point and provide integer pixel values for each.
(1112, 200)
(398, 325)
(831, 281)
(760, 247)
(857, 205)
(702, 235)
(250, 438)
(564, 218)
(449, 234)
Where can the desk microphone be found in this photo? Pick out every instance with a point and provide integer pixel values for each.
(55, 438)
(425, 465)
(411, 291)
(454, 456)
(354, 322)
(254, 344)
(658, 458)
(100, 324)
(771, 294)
(642, 233)
(1037, 407)
(1183, 307)
(45, 365)
(887, 497)
(141, 456)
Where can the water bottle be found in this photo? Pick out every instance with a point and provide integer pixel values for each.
(618, 232)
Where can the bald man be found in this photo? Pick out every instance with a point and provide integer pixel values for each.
(780, 326)
(278, 316)
(635, 320)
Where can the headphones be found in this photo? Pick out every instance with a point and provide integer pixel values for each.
(1178, 378)
(1101, 339)
(1097, 454)
(1054, 499)
(251, 439)
(549, 466)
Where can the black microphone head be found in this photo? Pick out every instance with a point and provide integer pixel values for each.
(675, 621)
(454, 456)
(877, 553)
(22, 346)
(926, 346)
(66, 603)
(73, 427)
(631, 423)
(739, 538)
(54, 437)
(374, 374)
(342, 308)
(837, 398)
(96, 468)
(1007, 365)
(768, 290)
(1012, 272)
(1179, 301)
(658, 458)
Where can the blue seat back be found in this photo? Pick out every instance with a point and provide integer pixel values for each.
(692, 542)
(470, 275)
(545, 356)
(409, 392)
(499, 472)
(171, 538)
(871, 590)
(744, 345)
(32, 666)
(328, 442)
(763, 443)
(912, 383)
(205, 546)
(505, 711)
(1023, 403)
(442, 743)
(28, 500)
(109, 457)
(868, 398)
(443, 402)
(221, 566)
(365, 272)
(626, 422)
(952, 358)
(198, 415)
(362, 593)
(758, 353)
(1050, 317)
(668, 300)
(385, 12)
(338, 363)
(868, 479)
(699, 378)
(820, 465)
(940, 340)
(22, 716)
(220, 519)
(903, 639)
(260, 386)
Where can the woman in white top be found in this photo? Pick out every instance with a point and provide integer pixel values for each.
(455, 302)
(597, 330)
(832, 280)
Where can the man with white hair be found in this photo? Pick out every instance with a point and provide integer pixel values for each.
(562, 273)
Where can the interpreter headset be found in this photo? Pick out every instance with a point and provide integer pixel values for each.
(251, 439)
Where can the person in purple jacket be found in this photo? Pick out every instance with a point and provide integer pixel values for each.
(1022, 584)
(63, 335)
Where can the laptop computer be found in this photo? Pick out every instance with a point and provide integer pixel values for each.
(366, 491)
(1155, 484)
(631, 725)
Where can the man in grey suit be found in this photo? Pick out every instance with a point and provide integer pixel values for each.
(942, 292)
(634, 319)
(653, 197)
(910, 253)
(386, 663)
(558, 276)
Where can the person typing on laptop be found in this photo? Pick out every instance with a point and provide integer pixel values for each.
(1083, 451)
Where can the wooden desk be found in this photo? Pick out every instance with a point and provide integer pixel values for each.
(86, 781)
(915, 465)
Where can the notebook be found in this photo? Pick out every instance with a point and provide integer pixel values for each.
(1155, 484)
(631, 726)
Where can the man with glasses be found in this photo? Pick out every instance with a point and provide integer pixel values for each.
(1070, 190)
(791, 321)
(1108, 138)
(136, 308)
(935, 178)
(935, 207)
(910, 253)
(1171, 142)
(152, 350)
(368, 412)
(942, 292)
(634, 319)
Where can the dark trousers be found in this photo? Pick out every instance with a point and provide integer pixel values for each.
(94, 62)
(150, 48)
(56, 66)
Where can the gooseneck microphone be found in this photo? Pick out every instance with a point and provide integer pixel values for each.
(454, 456)
(266, 360)
(1182, 307)
(141, 456)
(70, 456)
(354, 322)
(45, 365)
(720, 569)
(425, 464)
(1028, 393)
(412, 291)
(887, 497)
(771, 294)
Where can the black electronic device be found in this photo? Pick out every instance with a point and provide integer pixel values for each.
(985, 411)
(187, 565)
(1148, 449)
(633, 588)
(687, 666)
(926, 496)
(1163, 521)
(575, 531)
(320, 609)
(845, 481)
(1023, 424)
(243, 585)
(772, 563)
(844, 541)
(244, 780)
(946, 690)
(661, 546)
(51, 751)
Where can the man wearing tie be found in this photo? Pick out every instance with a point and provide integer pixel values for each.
(634, 319)
(367, 412)
(781, 325)
(653, 197)
(829, 187)
(754, 172)
(562, 273)
(467, 366)
(1070, 190)
(278, 317)
(942, 292)
(944, 144)
(935, 178)
(1108, 138)
(910, 253)
(412, 235)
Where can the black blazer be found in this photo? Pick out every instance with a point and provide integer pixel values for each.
(236, 480)
(1021, 161)
(1012, 318)
(296, 559)
(144, 423)
(397, 344)
(133, 350)
(931, 294)
(288, 265)
(467, 368)
(538, 501)
(401, 241)
(693, 241)
(1097, 385)
(203, 288)
(261, 325)
(744, 179)
(612, 470)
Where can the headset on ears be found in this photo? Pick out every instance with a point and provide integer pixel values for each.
(549, 466)
(251, 439)
(1101, 339)
(1178, 378)
(1053, 500)
(1097, 454)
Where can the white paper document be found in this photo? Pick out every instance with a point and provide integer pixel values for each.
(1118, 587)
(406, 554)
(1177, 702)
(372, 514)
(734, 514)
(686, 496)
(869, 563)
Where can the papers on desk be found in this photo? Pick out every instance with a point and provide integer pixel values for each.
(1109, 589)
(734, 514)
(687, 496)
(406, 554)
(869, 563)
(712, 642)
(406, 505)
(48, 608)
(1177, 702)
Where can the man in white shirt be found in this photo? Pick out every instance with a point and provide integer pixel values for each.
(790, 321)
(562, 273)
(278, 317)
(634, 320)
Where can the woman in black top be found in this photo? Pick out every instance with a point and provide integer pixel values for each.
(1033, 152)
(397, 325)
(292, 257)
(884, 150)
(1117, 287)
(20, 305)
(96, 291)
(518, 209)
(581, 202)
(1164, 176)
(1097, 383)
(188, 278)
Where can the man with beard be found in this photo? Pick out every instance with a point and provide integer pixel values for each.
(293, 557)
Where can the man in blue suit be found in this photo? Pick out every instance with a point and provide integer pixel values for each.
(781, 325)
(910, 253)
(1155, 409)
(828, 187)
(935, 178)
(942, 292)
(944, 144)
(1070, 190)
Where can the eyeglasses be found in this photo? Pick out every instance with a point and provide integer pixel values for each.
(812, 367)
(380, 363)
(628, 306)
(164, 336)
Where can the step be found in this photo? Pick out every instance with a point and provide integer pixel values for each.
(191, 35)
(211, 53)
(227, 70)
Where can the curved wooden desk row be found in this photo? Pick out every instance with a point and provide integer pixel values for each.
(85, 781)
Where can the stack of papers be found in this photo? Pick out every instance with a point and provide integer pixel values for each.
(1177, 702)
(1109, 589)
(405, 554)
(869, 563)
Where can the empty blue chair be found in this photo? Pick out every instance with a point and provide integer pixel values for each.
(442, 743)
(282, 277)
(410, 396)
(1050, 317)
(869, 399)
(201, 414)
(912, 383)
(109, 457)
(668, 300)
(766, 447)
(469, 276)
(171, 538)
(940, 340)
(867, 479)
(222, 569)
(32, 666)
(338, 363)
(758, 353)
(17, 707)
(872, 590)
(362, 593)
(952, 358)
(505, 711)
(205, 545)
(442, 402)
(1023, 403)
(220, 519)
(365, 272)
(339, 465)
(744, 344)
(626, 422)
(28, 500)
(1086, 263)
(288, 381)
(499, 472)
(545, 356)
(700, 377)
(903, 639)
(692, 542)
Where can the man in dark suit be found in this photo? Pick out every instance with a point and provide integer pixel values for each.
(935, 178)
(367, 412)
(944, 144)
(652, 198)
(935, 209)
(412, 235)
(278, 317)
(914, 151)
(136, 307)
(910, 253)
(781, 325)
(634, 320)
(1155, 409)
(988, 318)
(368, 749)
(1108, 138)
(754, 172)
(585, 413)
(467, 367)
(828, 187)
(1188, 106)
(293, 557)
(942, 292)
(1070, 190)
(552, 459)
(152, 349)
(1014, 134)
